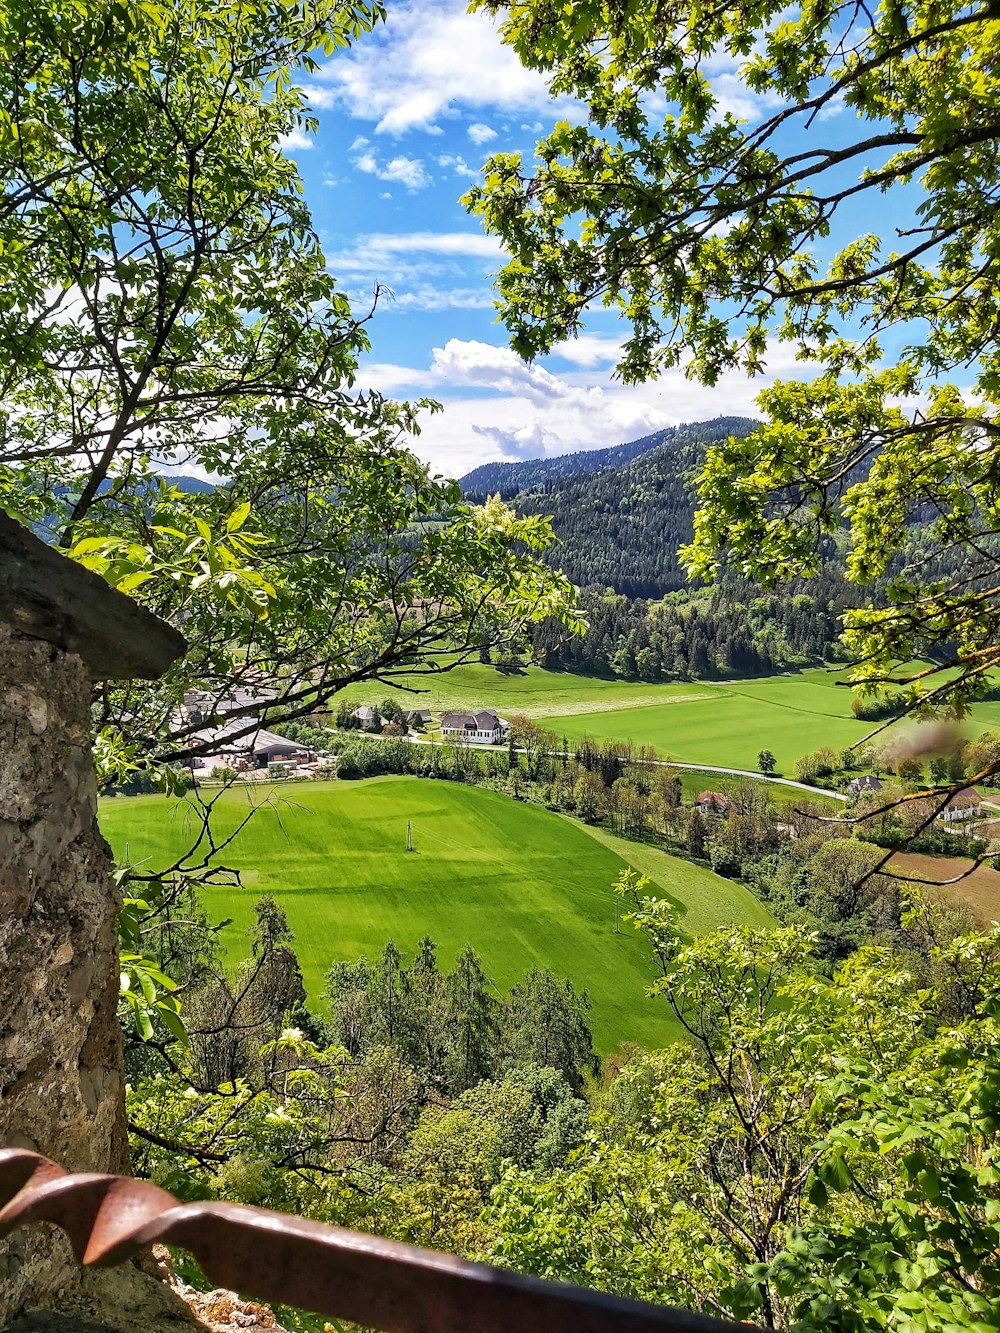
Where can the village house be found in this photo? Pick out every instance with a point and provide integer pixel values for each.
(419, 717)
(246, 700)
(862, 784)
(365, 714)
(484, 727)
(713, 803)
(966, 804)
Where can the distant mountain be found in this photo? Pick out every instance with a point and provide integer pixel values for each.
(620, 527)
(191, 485)
(510, 479)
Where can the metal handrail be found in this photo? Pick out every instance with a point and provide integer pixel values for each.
(324, 1269)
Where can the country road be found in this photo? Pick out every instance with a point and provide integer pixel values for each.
(416, 739)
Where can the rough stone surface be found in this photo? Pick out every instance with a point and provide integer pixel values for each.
(61, 1083)
(61, 1087)
(61, 1077)
(48, 1321)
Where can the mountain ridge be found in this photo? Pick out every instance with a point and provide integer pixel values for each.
(510, 479)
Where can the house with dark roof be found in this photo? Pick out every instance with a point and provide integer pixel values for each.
(966, 804)
(419, 717)
(484, 727)
(862, 784)
(245, 753)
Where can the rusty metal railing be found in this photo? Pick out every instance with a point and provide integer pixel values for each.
(323, 1269)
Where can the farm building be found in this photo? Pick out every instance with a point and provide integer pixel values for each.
(245, 700)
(253, 751)
(484, 727)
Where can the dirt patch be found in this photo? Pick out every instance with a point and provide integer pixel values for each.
(978, 890)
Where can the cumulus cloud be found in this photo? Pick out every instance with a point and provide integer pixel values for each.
(546, 413)
(456, 163)
(408, 171)
(480, 133)
(496, 407)
(590, 349)
(512, 446)
(429, 60)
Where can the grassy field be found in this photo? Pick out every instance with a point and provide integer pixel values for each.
(533, 691)
(788, 715)
(705, 722)
(694, 722)
(732, 722)
(524, 886)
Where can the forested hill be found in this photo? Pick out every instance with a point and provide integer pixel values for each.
(619, 531)
(621, 527)
(510, 479)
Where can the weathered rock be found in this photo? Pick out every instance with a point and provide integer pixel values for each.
(61, 1082)
(61, 1085)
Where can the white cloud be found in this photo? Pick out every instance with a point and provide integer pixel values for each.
(498, 407)
(408, 171)
(472, 243)
(395, 256)
(480, 133)
(427, 297)
(529, 411)
(420, 270)
(388, 378)
(430, 59)
(589, 349)
(457, 163)
(295, 140)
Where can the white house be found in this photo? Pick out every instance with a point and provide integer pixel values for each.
(484, 727)
(967, 804)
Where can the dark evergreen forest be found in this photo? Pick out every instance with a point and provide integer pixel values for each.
(621, 516)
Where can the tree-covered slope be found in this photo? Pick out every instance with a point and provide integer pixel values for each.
(621, 527)
(509, 479)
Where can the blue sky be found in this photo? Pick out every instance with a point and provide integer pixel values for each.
(406, 119)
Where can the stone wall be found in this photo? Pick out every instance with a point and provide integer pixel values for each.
(61, 1086)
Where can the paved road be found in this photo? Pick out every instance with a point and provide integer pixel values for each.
(759, 777)
(668, 763)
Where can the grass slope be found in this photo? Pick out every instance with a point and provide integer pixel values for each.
(524, 886)
(725, 723)
(533, 691)
(785, 714)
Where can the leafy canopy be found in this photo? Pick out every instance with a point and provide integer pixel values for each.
(713, 236)
(165, 306)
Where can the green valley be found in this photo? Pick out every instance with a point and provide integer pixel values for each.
(526, 887)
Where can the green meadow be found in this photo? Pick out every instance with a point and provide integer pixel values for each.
(532, 691)
(699, 722)
(731, 723)
(524, 886)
